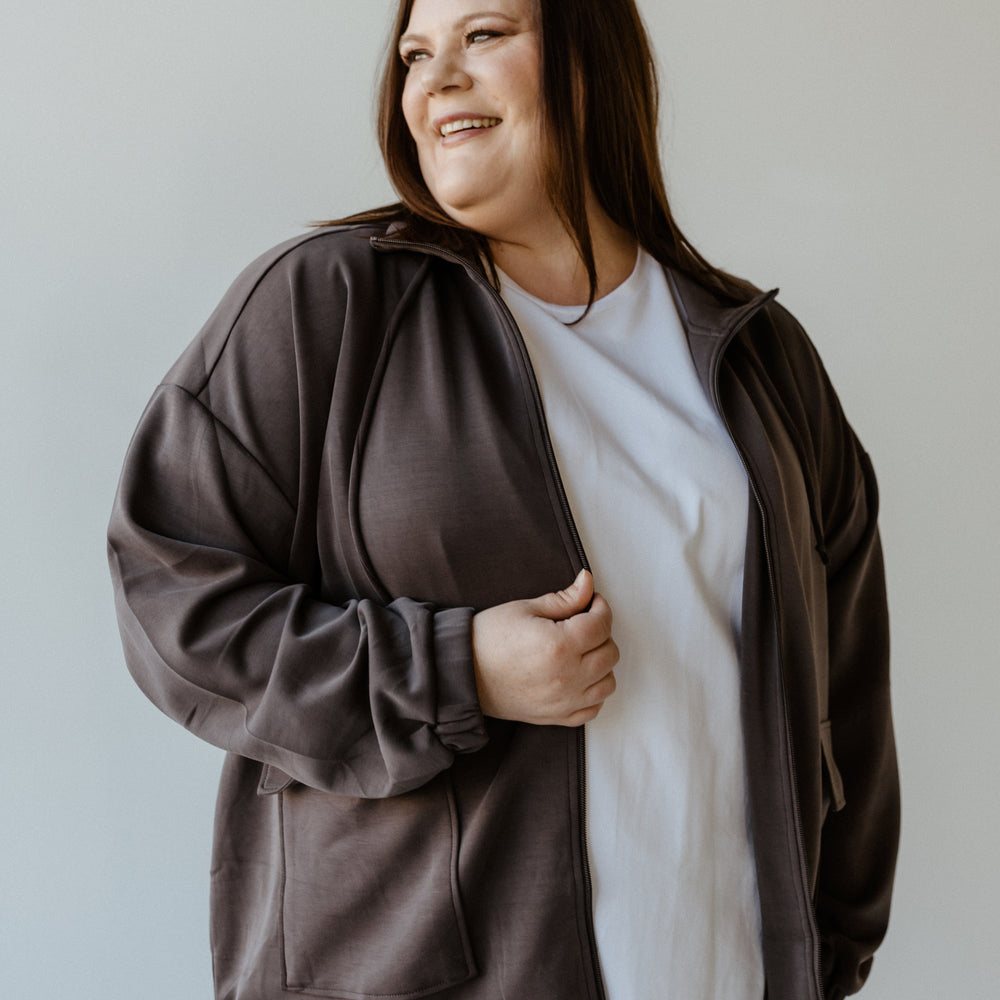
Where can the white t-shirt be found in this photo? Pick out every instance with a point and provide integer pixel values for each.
(660, 498)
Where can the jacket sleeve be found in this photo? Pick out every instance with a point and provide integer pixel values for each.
(859, 840)
(363, 698)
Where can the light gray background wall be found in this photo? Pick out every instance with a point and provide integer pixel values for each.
(846, 151)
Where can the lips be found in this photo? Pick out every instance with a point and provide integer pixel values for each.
(453, 124)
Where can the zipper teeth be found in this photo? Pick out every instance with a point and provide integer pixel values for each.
(581, 737)
(789, 748)
(588, 879)
(581, 740)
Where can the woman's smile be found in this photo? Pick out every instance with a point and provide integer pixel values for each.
(464, 123)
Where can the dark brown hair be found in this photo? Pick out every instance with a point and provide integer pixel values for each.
(595, 55)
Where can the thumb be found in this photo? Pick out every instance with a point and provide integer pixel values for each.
(562, 604)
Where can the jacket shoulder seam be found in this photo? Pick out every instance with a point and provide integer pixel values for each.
(281, 253)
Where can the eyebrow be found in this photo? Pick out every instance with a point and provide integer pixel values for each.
(413, 37)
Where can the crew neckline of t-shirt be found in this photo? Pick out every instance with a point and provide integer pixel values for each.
(569, 314)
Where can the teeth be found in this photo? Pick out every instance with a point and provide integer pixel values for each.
(467, 123)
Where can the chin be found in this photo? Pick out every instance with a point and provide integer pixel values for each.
(459, 197)
(468, 211)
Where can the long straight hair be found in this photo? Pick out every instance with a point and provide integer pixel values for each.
(596, 57)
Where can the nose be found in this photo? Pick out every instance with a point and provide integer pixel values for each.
(445, 72)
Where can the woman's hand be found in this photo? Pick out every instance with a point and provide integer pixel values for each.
(547, 660)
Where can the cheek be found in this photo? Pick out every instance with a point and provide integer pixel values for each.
(520, 75)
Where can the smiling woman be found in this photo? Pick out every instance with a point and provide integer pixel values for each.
(593, 140)
(356, 540)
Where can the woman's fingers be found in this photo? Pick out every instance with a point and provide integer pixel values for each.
(593, 701)
(603, 686)
(587, 685)
(548, 660)
(590, 629)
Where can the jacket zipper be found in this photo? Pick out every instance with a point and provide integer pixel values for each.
(581, 740)
(789, 748)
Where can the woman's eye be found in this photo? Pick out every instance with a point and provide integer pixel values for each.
(481, 36)
(411, 56)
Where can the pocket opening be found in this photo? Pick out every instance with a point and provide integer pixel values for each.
(832, 771)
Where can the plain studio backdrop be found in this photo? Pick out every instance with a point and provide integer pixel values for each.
(848, 152)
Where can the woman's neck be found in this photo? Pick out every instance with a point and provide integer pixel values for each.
(548, 265)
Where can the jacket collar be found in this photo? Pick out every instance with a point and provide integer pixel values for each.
(703, 313)
(710, 323)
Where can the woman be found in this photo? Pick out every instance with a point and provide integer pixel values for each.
(352, 545)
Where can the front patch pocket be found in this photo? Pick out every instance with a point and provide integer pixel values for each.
(370, 901)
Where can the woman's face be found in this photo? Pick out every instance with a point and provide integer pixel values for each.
(471, 100)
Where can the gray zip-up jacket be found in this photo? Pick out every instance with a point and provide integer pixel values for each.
(350, 460)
